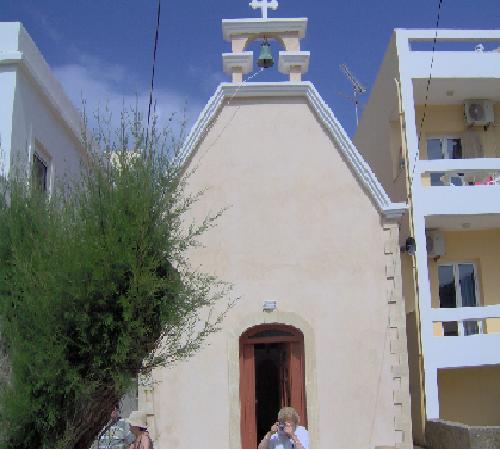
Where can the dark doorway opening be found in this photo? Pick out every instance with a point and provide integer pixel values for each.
(270, 381)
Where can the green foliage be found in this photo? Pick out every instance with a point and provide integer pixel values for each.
(92, 281)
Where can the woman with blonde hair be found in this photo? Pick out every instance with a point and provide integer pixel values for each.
(138, 426)
(286, 432)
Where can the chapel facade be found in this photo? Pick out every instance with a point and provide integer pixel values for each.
(310, 243)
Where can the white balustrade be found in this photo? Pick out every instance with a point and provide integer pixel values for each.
(463, 317)
(465, 313)
(461, 186)
(462, 172)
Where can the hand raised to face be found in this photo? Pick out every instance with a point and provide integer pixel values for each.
(289, 429)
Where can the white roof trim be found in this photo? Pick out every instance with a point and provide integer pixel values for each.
(33, 63)
(238, 27)
(12, 57)
(447, 34)
(298, 89)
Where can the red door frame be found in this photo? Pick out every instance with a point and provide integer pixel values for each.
(248, 426)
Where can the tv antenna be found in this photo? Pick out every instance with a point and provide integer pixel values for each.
(357, 88)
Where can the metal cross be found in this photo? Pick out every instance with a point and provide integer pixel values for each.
(264, 5)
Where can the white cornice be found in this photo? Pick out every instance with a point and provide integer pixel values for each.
(11, 57)
(243, 60)
(447, 34)
(37, 69)
(289, 59)
(325, 115)
(238, 27)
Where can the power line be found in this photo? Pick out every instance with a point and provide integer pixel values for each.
(157, 30)
(424, 115)
(229, 100)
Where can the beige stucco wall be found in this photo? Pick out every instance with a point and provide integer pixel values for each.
(479, 389)
(378, 136)
(301, 230)
(481, 247)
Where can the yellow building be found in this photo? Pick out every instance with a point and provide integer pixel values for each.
(430, 131)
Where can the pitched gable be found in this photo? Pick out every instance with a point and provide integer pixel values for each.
(228, 92)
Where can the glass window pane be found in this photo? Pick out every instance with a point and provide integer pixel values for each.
(453, 149)
(450, 328)
(39, 173)
(447, 292)
(434, 150)
(456, 180)
(471, 327)
(437, 179)
(467, 282)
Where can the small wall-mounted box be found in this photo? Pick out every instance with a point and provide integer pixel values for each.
(269, 305)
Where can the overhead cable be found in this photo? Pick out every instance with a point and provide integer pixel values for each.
(157, 30)
(424, 115)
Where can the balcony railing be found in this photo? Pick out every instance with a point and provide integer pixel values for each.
(465, 178)
(466, 321)
(460, 172)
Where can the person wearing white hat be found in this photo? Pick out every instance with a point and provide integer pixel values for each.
(139, 426)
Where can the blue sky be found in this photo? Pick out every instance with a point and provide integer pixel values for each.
(103, 49)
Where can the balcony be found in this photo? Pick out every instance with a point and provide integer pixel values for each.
(465, 350)
(459, 186)
(462, 321)
(456, 52)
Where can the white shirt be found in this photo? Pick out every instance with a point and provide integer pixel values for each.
(281, 440)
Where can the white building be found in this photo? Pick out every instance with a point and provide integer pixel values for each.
(431, 132)
(39, 126)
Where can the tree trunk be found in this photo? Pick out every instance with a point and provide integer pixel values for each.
(91, 417)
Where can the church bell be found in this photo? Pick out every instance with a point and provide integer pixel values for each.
(266, 57)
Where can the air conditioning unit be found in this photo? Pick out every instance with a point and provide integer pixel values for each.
(479, 112)
(435, 243)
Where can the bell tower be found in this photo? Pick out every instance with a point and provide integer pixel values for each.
(286, 32)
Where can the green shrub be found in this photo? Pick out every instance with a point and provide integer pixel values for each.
(92, 280)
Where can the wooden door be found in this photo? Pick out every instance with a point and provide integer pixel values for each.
(293, 367)
(248, 426)
(297, 385)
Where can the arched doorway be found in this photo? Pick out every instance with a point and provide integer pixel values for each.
(271, 377)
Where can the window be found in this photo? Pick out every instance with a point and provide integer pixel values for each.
(39, 173)
(444, 148)
(458, 289)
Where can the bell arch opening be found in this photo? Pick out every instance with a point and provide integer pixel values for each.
(282, 41)
(271, 377)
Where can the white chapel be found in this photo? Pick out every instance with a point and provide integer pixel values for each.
(309, 241)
